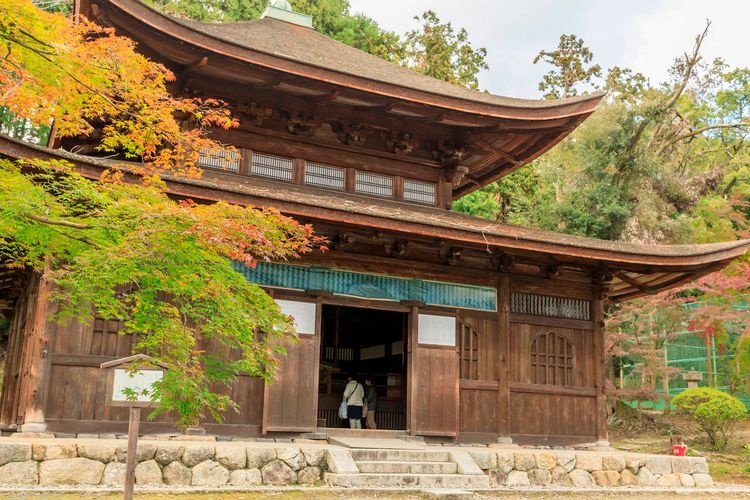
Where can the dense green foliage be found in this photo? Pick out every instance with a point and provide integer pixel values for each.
(125, 249)
(163, 267)
(663, 163)
(435, 49)
(570, 60)
(715, 412)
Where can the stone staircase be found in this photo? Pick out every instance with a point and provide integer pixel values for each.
(378, 468)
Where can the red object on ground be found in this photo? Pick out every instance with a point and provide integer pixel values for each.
(679, 450)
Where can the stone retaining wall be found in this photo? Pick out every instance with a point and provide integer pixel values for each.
(163, 464)
(590, 469)
(215, 465)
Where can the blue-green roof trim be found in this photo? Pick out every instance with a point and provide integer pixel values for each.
(370, 286)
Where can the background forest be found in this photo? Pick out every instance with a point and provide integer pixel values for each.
(658, 163)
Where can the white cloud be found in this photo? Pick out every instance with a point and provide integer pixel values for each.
(645, 35)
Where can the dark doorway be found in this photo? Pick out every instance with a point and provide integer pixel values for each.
(363, 342)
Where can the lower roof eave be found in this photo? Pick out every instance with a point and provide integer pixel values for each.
(686, 262)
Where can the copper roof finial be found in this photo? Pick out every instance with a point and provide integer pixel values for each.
(282, 10)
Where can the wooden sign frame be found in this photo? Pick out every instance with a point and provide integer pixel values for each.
(138, 362)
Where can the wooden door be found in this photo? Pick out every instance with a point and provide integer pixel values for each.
(434, 375)
(290, 402)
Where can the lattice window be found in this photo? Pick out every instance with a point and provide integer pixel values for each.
(340, 354)
(273, 167)
(551, 359)
(219, 159)
(373, 184)
(469, 353)
(546, 305)
(324, 176)
(419, 192)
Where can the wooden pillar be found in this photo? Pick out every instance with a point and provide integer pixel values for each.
(34, 377)
(411, 346)
(597, 314)
(503, 356)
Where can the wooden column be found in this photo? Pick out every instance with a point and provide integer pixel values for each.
(33, 380)
(411, 345)
(503, 356)
(597, 315)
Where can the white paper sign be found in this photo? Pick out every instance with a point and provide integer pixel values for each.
(138, 381)
(436, 330)
(303, 314)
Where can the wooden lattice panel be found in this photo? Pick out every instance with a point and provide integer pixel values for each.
(469, 360)
(551, 359)
(548, 305)
(219, 159)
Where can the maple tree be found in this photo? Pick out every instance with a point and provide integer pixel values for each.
(125, 249)
(638, 329)
(90, 81)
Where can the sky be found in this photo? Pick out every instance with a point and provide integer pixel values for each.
(644, 35)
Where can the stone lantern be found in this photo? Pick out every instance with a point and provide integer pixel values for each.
(692, 378)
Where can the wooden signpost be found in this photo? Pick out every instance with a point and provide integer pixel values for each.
(130, 383)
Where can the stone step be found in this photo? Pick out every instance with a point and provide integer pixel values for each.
(407, 480)
(407, 467)
(364, 455)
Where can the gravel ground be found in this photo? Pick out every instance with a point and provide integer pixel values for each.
(723, 491)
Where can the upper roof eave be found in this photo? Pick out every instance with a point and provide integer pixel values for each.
(439, 94)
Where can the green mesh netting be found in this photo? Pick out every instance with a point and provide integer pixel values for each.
(688, 351)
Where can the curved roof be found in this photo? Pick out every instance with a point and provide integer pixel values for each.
(295, 64)
(640, 268)
(285, 43)
(305, 45)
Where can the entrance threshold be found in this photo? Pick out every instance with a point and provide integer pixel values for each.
(380, 443)
(365, 433)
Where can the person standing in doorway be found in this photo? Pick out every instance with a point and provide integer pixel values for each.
(371, 400)
(354, 395)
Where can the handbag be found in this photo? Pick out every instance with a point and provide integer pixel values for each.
(342, 411)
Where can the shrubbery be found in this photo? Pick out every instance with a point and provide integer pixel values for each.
(715, 412)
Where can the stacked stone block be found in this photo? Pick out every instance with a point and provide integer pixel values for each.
(524, 468)
(205, 466)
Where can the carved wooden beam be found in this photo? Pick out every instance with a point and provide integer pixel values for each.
(253, 114)
(455, 174)
(449, 153)
(453, 256)
(343, 242)
(302, 124)
(351, 134)
(552, 270)
(399, 248)
(401, 143)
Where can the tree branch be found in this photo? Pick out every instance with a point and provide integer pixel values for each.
(57, 222)
(690, 62)
(706, 129)
(82, 239)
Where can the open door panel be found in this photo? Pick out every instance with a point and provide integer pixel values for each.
(291, 401)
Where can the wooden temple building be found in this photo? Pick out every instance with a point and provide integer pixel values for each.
(471, 329)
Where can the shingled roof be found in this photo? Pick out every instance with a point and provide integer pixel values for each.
(286, 41)
(305, 45)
